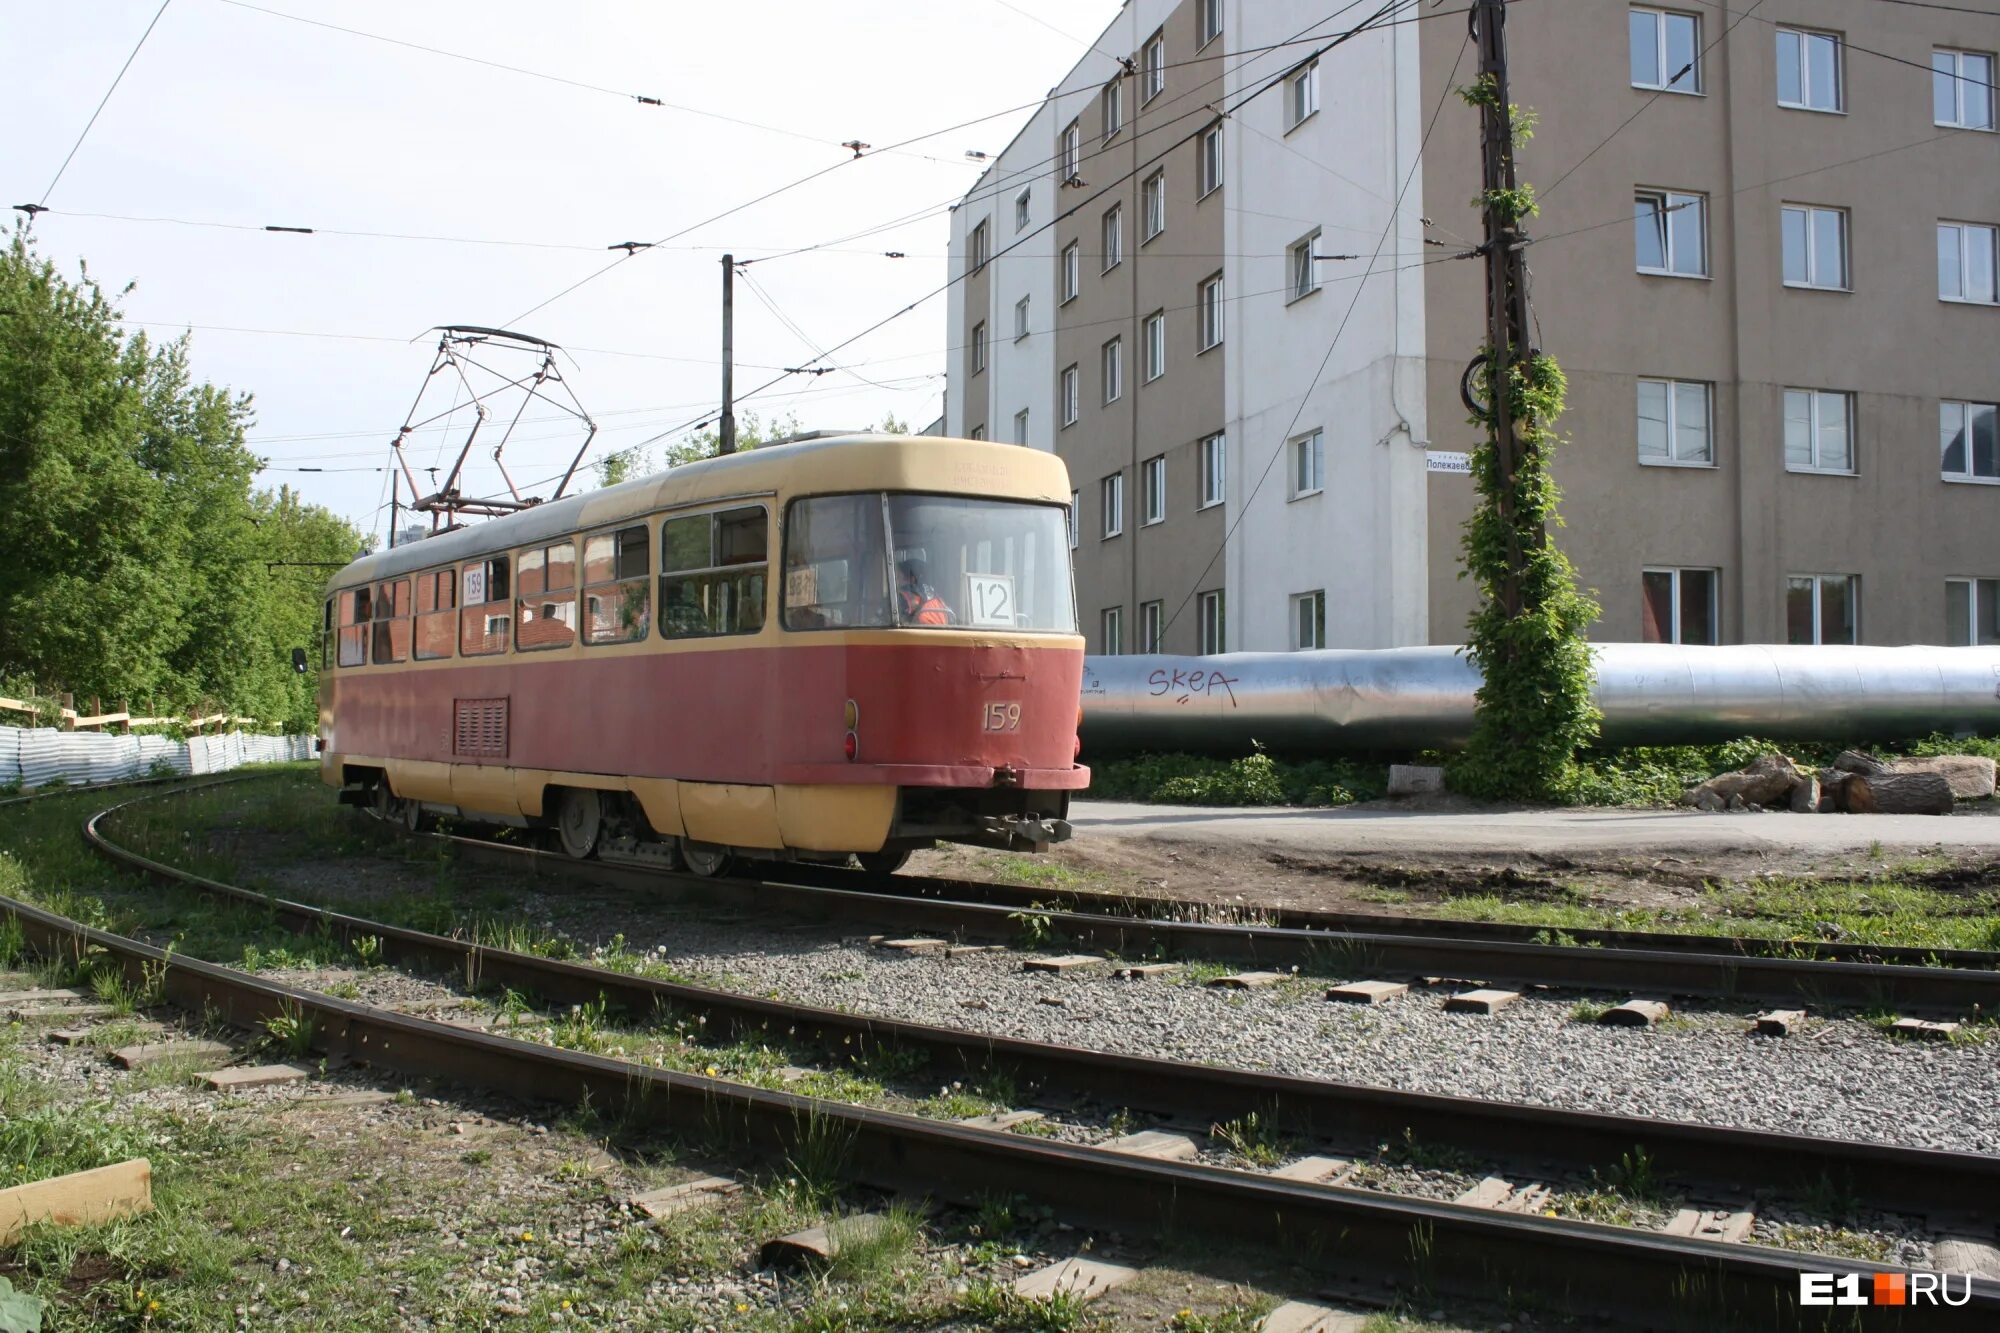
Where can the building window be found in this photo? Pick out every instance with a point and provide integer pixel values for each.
(1153, 206)
(1209, 307)
(1113, 233)
(1304, 269)
(1021, 210)
(1021, 426)
(1070, 155)
(1301, 93)
(1214, 465)
(1214, 635)
(1675, 424)
(1965, 438)
(1972, 613)
(1815, 246)
(1020, 319)
(1666, 51)
(1075, 500)
(1153, 68)
(978, 348)
(981, 248)
(1309, 621)
(1966, 262)
(1210, 21)
(1672, 232)
(1962, 89)
(1070, 400)
(1153, 490)
(1154, 346)
(1151, 616)
(1809, 74)
(977, 432)
(1111, 636)
(1072, 269)
(1112, 355)
(1822, 608)
(1113, 102)
(1819, 431)
(1209, 156)
(1114, 504)
(1308, 464)
(1678, 606)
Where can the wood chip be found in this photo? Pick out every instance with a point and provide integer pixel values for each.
(1086, 1279)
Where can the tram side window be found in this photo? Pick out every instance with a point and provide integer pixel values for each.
(392, 622)
(326, 636)
(487, 598)
(353, 627)
(545, 595)
(713, 569)
(437, 614)
(617, 586)
(835, 574)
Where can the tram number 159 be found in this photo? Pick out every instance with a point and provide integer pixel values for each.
(1003, 717)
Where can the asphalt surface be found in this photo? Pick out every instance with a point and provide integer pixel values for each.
(1383, 828)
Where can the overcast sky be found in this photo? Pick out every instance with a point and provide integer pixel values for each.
(235, 115)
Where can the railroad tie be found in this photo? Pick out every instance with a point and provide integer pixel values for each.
(39, 995)
(660, 1203)
(1482, 1001)
(1248, 980)
(253, 1076)
(1316, 1170)
(152, 1053)
(1634, 1014)
(1368, 992)
(1779, 1022)
(1311, 1317)
(1967, 1254)
(1069, 962)
(915, 944)
(43, 1013)
(1922, 1029)
(1161, 1143)
(1084, 1279)
(1148, 971)
(820, 1243)
(82, 1036)
(1724, 1224)
(999, 1120)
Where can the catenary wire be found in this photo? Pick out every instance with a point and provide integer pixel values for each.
(102, 102)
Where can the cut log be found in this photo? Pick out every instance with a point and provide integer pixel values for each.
(1898, 794)
(1833, 790)
(1854, 761)
(1805, 795)
(1970, 776)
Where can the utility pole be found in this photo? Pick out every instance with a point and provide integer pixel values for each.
(728, 427)
(395, 507)
(1506, 271)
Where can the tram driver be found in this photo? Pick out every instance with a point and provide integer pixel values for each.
(920, 603)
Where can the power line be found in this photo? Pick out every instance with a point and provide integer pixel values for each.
(1852, 46)
(101, 103)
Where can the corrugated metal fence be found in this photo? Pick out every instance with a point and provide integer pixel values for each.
(32, 757)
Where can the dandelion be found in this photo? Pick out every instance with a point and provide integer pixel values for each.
(152, 1307)
(741, 1308)
(527, 1236)
(711, 1071)
(565, 1305)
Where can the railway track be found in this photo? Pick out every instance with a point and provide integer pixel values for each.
(1440, 1248)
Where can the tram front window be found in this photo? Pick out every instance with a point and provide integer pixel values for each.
(927, 561)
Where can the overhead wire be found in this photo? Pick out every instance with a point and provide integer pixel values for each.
(102, 102)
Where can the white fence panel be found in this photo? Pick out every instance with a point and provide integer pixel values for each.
(36, 756)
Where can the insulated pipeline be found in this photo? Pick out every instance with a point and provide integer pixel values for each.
(1422, 698)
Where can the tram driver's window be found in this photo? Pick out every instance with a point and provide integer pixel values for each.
(835, 574)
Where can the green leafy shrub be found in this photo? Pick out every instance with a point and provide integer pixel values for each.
(1256, 779)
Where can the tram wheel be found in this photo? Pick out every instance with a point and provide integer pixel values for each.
(883, 863)
(413, 816)
(579, 820)
(705, 858)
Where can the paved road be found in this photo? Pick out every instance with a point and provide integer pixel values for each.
(1379, 829)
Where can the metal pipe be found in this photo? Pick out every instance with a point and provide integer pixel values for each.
(1422, 698)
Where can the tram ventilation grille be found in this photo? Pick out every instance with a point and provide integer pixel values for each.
(481, 729)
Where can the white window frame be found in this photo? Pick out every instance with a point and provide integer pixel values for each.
(1306, 453)
(1112, 496)
(1967, 414)
(1208, 18)
(1208, 155)
(1111, 363)
(1153, 346)
(1069, 152)
(977, 432)
(1022, 209)
(1690, 86)
(1075, 500)
(1212, 612)
(1676, 632)
(1111, 235)
(1071, 395)
(1668, 202)
(1111, 631)
(1208, 308)
(979, 247)
(979, 347)
(1152, 206)
(1153, 491)
(1021, 426)
(1971, 585)
(1214, 451)
(1801, 36)
(1021, 318)
(1672, 396)
(1112, 102)
(1967, 89)
(1970, 238)
(1815, 424)
(1302, 94)
(1811, 213)
(1152, 68)
(1309, 621)
(1152, 616)
(1072, 271)
(1853, 582)
(1302, 270)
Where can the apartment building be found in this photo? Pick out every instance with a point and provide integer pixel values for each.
(1218, 275)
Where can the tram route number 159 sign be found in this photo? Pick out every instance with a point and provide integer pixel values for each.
(989, 599)
(475, 586)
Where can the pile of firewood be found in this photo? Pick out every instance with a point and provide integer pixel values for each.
(1855, 783)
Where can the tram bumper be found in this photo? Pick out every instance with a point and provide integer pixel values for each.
(1029, 833)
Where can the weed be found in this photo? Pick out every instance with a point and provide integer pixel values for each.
(1427, 1157)
(1246, 1318)
(818, 1159)
(881, 1249)
(1633, 1175)
(1253, 1138)
(1834, 1200)
(291, 1029)
(368, 950)
(990, 1305)
(476, 1157)
(1588, 1011)
(1036, 928)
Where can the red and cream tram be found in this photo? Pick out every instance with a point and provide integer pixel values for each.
(852, 645)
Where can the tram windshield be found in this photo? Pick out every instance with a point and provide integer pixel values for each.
(927, 561)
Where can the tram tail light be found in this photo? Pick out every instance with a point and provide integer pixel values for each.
(850, 743)
(853, 714)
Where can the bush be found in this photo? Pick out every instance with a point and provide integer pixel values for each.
(1257, 779)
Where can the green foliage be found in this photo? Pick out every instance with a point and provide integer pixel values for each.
(1257, 779)
(133, 549)
(19, 1312)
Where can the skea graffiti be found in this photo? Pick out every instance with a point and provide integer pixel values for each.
(1187, 684)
